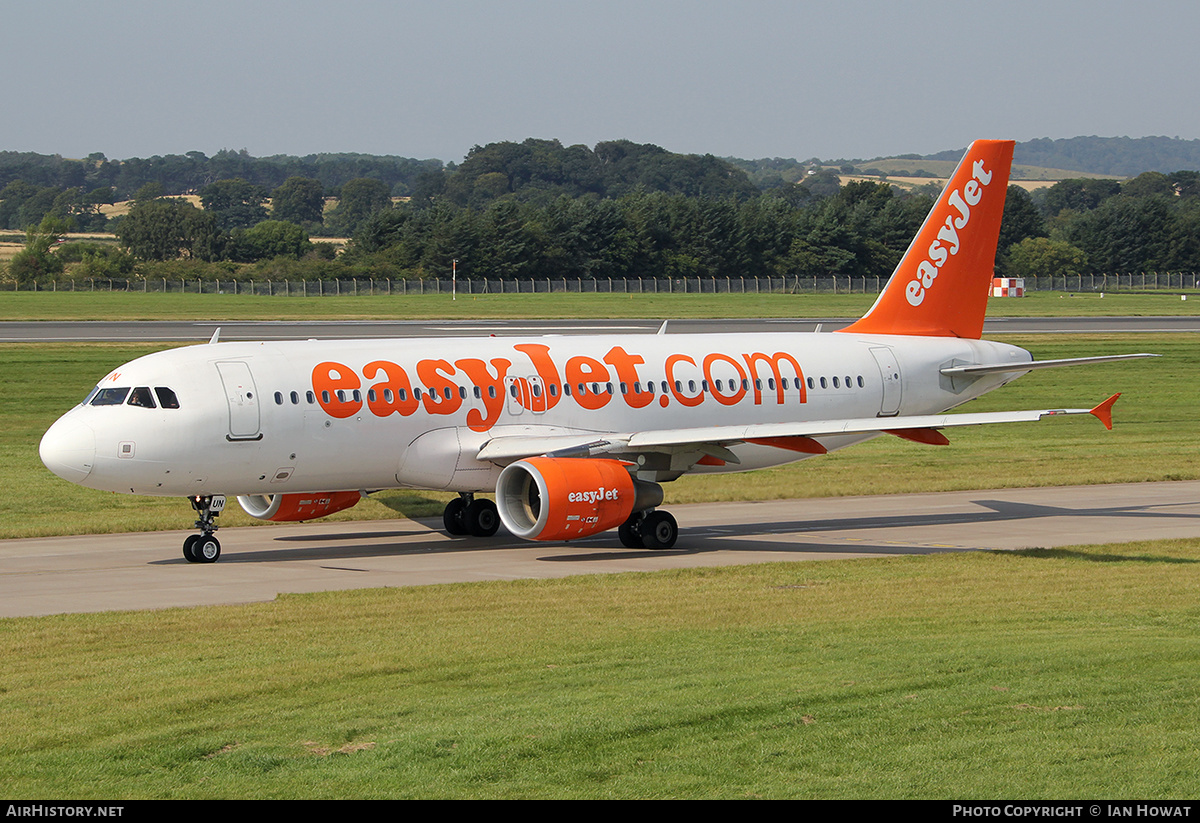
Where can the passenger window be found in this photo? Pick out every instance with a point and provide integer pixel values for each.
(142, 397)
(278, 398)
(166, 397)
(110, 397)
(295, 398)
(860, 381)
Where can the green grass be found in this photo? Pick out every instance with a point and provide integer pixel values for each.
(215, 307)
(1152, 440)
(1039, 674)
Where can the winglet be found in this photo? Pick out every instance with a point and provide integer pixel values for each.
(1103, 412)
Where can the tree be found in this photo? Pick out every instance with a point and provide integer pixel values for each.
(360, 198)
(36, 259)
(300, 200)
(268, 240)
(167, 229)
(1021, 219)
(1043, 257)
(1081, 194)
(235, 203)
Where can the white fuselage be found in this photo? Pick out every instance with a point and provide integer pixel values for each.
(311, 416)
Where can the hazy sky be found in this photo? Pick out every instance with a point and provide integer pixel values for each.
(753, 78)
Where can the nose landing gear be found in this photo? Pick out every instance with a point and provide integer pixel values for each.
(203, 547)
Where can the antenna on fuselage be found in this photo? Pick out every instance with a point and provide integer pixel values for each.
(215, 336)
(663, 328)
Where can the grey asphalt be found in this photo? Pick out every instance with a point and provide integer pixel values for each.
(188, 331)
(147, 571)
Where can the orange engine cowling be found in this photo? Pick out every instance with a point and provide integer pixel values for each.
(548, 498)
(293, 506)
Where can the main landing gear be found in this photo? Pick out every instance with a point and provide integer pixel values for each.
(466, 515)
(649, 530)
(203, 547)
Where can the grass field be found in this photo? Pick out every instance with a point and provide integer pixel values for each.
(102, 305)
(1038, 674)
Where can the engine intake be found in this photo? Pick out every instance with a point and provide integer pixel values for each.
(294, 506)
(548, 498)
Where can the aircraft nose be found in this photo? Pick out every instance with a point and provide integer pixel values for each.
(68, 449)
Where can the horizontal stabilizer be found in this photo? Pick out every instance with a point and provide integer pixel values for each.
(1031, 365)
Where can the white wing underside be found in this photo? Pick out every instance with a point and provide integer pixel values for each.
(501, 449)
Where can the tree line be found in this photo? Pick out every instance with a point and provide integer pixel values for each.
(537, 209)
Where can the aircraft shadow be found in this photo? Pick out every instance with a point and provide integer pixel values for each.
(738, 537)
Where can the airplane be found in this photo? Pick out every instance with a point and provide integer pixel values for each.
(574, 435)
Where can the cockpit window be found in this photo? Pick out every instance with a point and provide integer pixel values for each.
(110, 397)
(166, 397)
(91, 394)
(141, 396)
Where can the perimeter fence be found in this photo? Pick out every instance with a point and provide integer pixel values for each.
(1142, 281)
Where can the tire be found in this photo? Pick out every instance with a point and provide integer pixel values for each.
(481, 518)
(189, 546)
(659, 531)
(206, 549)
(452, 517)
(631, 538)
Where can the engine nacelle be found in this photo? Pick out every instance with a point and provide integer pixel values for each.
(293, 506)
(548, 498)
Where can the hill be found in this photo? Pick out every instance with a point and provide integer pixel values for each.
(1103, 156)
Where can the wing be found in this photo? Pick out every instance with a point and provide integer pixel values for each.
(714, 441)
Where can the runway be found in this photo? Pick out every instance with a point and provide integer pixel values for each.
(147, 571)
(147, 331)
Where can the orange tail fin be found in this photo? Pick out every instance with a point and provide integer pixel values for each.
(941, 286)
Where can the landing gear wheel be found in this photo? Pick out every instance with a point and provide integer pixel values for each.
(206, 549)
(659, 531)
(452, 517)
(629, 532)
(481, 518)
(189, 545)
